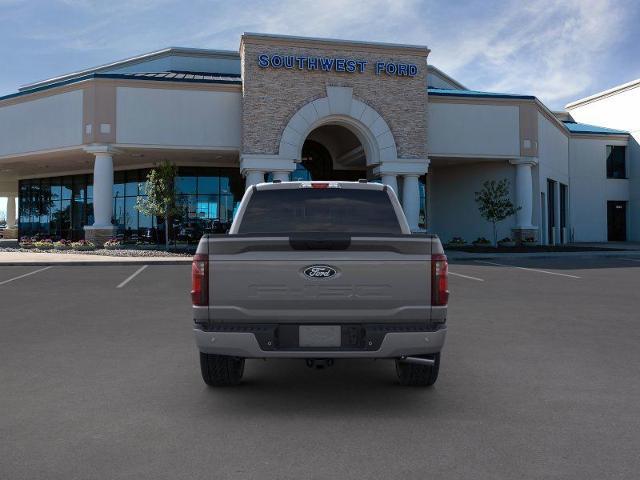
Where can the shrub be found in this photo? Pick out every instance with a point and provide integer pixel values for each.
(25, 242)
(83, 245)
(481, 241)
(113, 244)
(457, 241)
(46, 244)
(62, 245)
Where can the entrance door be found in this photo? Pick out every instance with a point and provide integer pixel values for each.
(543, 222)
(563, 212)
(617, 221)
(551, 212)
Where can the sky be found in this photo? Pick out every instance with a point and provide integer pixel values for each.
(557, 50)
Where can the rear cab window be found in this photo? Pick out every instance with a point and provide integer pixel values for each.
(343, 210)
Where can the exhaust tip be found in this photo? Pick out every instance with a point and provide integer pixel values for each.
(418, 360)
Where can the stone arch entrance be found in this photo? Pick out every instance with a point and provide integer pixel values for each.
(339, 108)
(374, 155)
(331, 152)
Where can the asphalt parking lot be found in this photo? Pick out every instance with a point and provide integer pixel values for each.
(540, 379)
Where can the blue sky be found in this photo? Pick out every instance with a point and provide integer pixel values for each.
(557, 50)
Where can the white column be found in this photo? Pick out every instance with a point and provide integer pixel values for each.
(524, 194)
(103, 189)
(281, 175)
(390, 180)
(253, 177)
(411, 200)
(11, 212)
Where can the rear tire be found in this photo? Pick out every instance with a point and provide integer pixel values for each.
(221, 370)
(415, 375)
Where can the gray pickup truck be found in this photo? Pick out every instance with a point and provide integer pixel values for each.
(320, 271)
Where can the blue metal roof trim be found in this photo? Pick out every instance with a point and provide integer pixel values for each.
(227, 79)
(474, 93)
(585, 128)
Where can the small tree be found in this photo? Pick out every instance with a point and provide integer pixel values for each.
(161, 199)
(494, 203)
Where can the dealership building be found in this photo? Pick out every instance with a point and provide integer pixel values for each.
(76, 149)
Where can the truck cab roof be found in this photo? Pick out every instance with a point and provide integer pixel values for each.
(360, 185)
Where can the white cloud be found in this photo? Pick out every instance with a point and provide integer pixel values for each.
(545, 48)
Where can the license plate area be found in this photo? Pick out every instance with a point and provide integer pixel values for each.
(319, 336)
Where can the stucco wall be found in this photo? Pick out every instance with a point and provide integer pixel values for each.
(468, 129)
(271, 96)
(590, 189)
(45, 123)
(620, 111)
(193, 118)
(553, 163)
(451, 199)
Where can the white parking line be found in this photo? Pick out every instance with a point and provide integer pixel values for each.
(25, 275)
(132, 276)
(466, 276)
(528, 269)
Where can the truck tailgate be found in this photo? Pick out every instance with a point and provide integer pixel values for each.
(262, 280)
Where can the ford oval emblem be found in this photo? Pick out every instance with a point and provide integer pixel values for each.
(319, 271)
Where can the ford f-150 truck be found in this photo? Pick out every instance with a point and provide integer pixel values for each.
(320, 271)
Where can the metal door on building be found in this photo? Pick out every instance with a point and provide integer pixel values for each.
(617, 221)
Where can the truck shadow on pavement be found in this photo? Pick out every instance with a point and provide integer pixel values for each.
(350, 387)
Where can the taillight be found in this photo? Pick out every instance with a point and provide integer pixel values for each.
(439, 280)
(200, 280)
(319, 185)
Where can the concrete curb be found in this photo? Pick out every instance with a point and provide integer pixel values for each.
(91, 263)
(543, 255)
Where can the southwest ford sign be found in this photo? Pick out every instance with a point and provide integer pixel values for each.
(334, 64)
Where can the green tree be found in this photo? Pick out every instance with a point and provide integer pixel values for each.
(161, 198)
(494, 203)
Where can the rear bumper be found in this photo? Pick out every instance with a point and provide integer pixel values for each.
(393, 345)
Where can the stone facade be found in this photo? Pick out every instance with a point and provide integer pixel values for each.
(271, 96)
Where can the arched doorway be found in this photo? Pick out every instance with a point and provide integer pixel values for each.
(331, 152)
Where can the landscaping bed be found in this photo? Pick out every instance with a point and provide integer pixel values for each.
(526, 249)
(125, 252)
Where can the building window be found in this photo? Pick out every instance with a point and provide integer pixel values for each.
(60, 207)
(616, 161)
(422, 219)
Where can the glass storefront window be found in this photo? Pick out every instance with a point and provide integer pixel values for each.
(186, 184)
(207, 206)
(300, 174)
(227, 208)
(90, 186)
(118, 184)
(208, 185)
(67, 188)
(60, 207)
(118, 213)
(131, 185)
(422, 219)
(79, 188)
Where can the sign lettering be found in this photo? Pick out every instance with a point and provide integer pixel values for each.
(331, 64)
